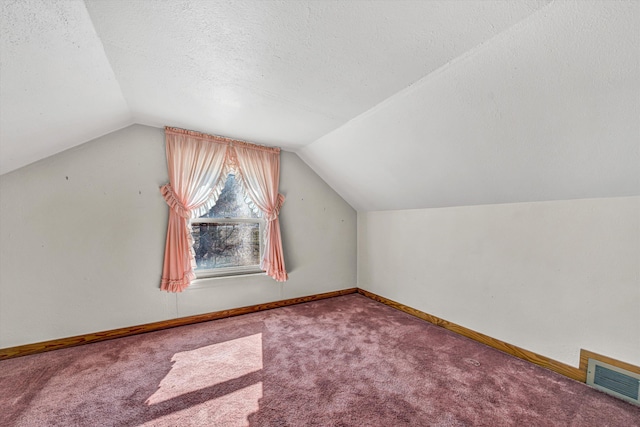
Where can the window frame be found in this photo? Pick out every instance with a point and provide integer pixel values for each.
(231, 271)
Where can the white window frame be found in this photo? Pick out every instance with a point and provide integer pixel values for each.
(231, 271)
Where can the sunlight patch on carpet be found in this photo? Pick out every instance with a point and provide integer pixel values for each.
(206, 367)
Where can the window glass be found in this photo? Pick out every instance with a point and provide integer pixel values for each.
(227, 239)
(219, 245)
(231, 203)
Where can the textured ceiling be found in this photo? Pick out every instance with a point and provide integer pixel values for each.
(57, 88)
(396, 104)
(275, 72)
(548, 110)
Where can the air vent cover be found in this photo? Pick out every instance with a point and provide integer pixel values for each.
(614, 381)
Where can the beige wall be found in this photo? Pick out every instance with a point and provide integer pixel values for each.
(82, 238)
(550, 277)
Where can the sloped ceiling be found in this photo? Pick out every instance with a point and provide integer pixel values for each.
(429, 103)
(274, 72)
(547, 110)
(57, 88)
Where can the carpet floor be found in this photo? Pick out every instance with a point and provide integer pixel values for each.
(344, 361)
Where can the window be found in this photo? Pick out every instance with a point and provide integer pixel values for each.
(227, 240)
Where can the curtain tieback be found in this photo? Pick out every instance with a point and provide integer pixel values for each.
(273, 215)
(173, 202)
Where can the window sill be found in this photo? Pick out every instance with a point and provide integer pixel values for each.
(212, 281)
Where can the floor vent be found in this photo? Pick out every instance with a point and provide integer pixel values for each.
(613, 380)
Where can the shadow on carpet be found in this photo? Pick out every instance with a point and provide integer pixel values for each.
(345, 361)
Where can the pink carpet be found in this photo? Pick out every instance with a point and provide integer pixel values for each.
(345, 361)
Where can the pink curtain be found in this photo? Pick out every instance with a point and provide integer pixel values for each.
(259, 171)
(197, 165)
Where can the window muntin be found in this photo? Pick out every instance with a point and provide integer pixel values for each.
(228, 239)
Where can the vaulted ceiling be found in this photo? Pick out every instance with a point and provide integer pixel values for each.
(430, 103)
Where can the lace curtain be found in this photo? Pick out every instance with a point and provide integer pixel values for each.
(198, 165)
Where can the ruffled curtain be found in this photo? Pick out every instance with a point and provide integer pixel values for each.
(198, 165)
(197, 169)
(259, 172)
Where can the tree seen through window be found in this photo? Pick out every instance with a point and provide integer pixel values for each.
(228, 236)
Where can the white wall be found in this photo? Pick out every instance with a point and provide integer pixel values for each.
(550, 277)
(82, 237)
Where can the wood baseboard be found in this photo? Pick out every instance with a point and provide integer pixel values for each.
(575, 373)
(24, 350)
(579, 374)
